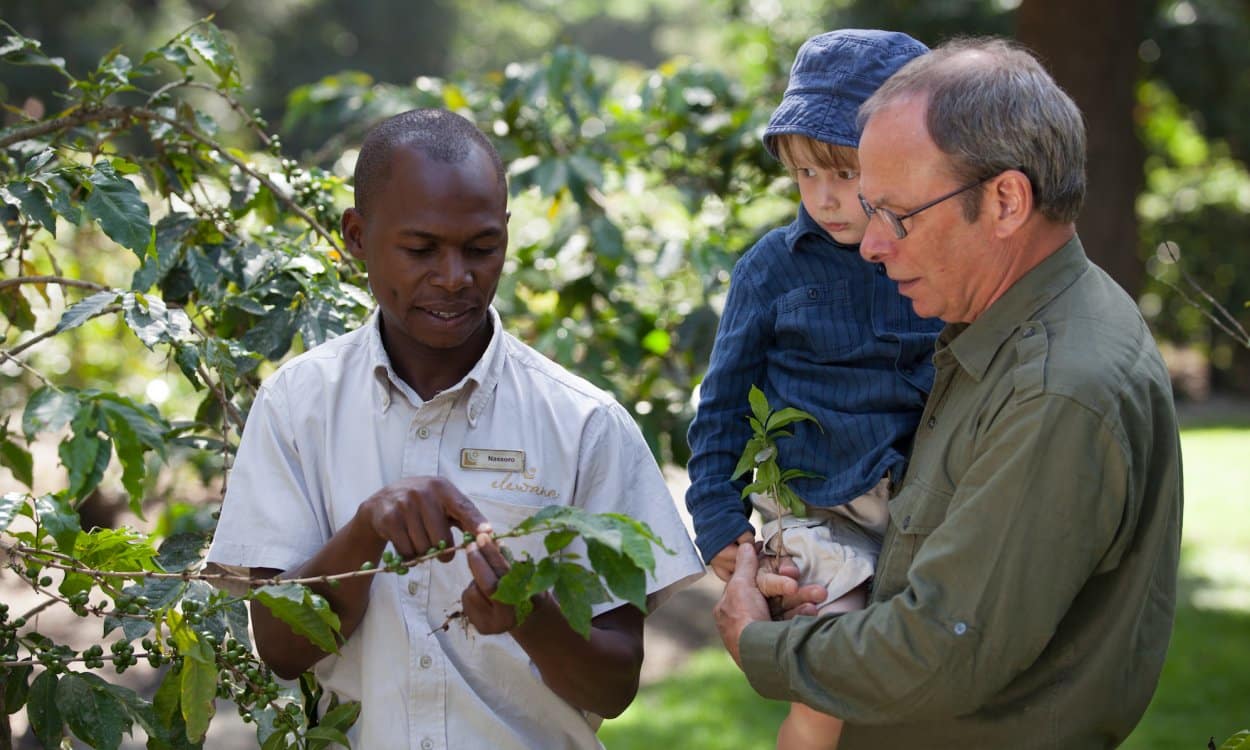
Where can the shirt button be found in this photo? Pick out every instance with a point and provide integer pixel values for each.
(426, 661)
(427, 744)
(811, 293)
(423, 433)
(932, 422)
(960, 628)
(1028, 332)
(412, 588)
(906, 522)
(881, 268)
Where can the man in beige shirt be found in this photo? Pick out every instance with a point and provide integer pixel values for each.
(1027, 582)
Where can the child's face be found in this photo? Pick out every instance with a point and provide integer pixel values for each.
(831, 196)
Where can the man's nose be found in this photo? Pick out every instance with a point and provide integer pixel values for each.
(452, 272)
(876, 243)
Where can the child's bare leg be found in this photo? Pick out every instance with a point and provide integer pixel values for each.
(805, 728)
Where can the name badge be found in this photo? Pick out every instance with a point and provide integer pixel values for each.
(489, 459)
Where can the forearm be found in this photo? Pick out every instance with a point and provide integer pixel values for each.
(599, 674)
(289, 654)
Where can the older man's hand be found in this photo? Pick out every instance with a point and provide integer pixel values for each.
(778, 580)
(742, 603)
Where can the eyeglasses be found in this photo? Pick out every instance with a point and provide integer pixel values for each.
(895, 222)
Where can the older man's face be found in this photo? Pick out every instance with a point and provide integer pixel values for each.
(945, 265)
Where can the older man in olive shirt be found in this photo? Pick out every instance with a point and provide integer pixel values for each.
(1026, 587)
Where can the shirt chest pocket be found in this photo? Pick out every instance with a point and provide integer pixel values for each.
(817, 320)
(915, 513)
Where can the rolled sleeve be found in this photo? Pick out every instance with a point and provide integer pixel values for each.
(268, 518)
(1040, 509)
(617, 474)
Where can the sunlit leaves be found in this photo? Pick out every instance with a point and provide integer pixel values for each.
(85, 309)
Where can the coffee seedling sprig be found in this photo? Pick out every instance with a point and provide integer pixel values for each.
(760, 454)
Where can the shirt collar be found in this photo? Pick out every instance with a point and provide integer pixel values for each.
(975, 344)
(474, 390)
(804, 225)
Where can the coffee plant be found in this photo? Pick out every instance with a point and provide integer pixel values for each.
(151, 206)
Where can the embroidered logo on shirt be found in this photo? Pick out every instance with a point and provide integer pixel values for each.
(520, 482)
(489, 459)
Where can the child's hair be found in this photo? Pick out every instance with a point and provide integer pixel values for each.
(794, 149)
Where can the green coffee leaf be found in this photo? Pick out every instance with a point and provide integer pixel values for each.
(17, 460)
(759, 405)
(747, 461)
(307, 614)
(85, 453)
(181, 551)
(34, 204)
(785, 416)
(153, 322)
(48, 410)
(625, 579)
(323, 736)
(136, 708)
(86, 309)
(16, 688)
(1239, 741)
(116, 203)
(59, 519)
(9, 505)
(577, 590)
(198, 681)
(558, 540)
(42, 712)
(209, 43)
(15, 307)
(514, 588)
(236, 622)
(96, 717)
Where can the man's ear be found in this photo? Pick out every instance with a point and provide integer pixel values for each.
(353, 227)
(1012, 203)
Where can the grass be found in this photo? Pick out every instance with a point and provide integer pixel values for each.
(1204, 691)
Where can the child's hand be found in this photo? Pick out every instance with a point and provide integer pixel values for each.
(723, 563)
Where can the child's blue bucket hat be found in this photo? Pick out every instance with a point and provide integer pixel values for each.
(832, 75)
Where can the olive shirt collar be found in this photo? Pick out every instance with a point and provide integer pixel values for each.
(974, 345)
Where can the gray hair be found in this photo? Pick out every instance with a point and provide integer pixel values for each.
(993, 107)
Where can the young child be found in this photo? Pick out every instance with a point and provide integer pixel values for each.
(817, 328)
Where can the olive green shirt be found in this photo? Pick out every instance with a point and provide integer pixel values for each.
(1027, 582)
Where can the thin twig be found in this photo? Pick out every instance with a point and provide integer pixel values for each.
(59, 561)
(28, 343)
(60, 280)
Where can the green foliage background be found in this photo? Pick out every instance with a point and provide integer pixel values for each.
(170, 195)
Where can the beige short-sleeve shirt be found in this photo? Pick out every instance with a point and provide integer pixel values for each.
(517, 433)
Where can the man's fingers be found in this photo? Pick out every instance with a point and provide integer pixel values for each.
(493, 556)
(464, 513)
(775, 584)
(484, 575)
(746, 565)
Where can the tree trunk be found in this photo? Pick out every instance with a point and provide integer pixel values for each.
(1091, 50)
